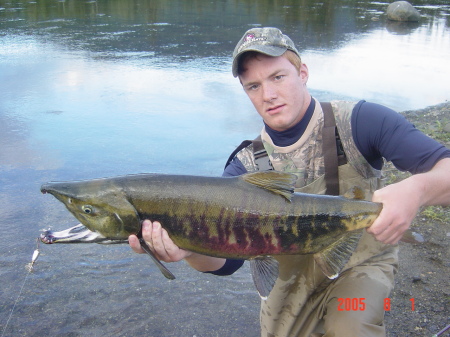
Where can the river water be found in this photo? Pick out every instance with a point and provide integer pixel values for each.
(101, 88)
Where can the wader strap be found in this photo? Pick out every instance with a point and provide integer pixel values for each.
(330, 150)
(262, 160)
(243, 145)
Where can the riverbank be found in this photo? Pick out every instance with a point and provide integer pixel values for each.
(420, 302)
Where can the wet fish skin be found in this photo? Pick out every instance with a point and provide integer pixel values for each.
(244, 217)
(227, 217)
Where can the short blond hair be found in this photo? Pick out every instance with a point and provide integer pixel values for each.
(294, 59)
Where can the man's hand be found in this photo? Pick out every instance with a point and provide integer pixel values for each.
(400, 206)
(401, 201)
(166, 250)
(159, 242)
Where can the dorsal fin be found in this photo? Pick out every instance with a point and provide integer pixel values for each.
(276, 182)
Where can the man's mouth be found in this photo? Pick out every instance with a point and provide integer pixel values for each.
(275, 109)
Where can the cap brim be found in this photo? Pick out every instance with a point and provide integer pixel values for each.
(263, 49)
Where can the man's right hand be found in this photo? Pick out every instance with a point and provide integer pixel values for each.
(159, 242)
(166, 250)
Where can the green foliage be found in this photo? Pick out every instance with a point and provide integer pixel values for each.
(437, 129)
(437, 213)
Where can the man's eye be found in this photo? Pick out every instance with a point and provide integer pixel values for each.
(278, 77)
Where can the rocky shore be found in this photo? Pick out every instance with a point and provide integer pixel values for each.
(420, 302)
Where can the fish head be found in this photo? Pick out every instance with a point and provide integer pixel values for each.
(99, 205)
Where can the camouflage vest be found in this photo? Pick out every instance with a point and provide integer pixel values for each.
(305, 158)
(301, 283)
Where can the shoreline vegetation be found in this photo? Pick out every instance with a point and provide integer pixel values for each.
(419, 303)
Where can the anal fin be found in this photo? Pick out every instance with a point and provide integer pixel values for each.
(332, 259)
(265, 273)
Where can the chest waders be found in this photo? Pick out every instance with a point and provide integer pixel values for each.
(303, 301)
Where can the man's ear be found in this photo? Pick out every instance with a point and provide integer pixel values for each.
(304, 73)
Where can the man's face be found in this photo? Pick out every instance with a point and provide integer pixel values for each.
(277, 90)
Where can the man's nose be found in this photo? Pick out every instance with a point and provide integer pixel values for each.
(269, 93)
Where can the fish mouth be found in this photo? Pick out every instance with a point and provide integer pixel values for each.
(61, 190)
(47, 188)
(76, 234)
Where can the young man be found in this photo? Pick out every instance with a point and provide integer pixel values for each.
(304, 302)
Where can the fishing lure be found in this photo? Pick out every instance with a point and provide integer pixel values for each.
(36, 253)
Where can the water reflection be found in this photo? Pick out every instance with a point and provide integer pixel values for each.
(102, 88)
(192, 28)
(395, 70)
(188, 34)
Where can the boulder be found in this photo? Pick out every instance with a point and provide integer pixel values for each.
(402, 11)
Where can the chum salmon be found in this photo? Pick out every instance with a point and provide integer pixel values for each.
(254, 217)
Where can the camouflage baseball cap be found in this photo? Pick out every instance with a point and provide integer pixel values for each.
(270, 41)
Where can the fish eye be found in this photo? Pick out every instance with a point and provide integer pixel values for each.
(87, 209)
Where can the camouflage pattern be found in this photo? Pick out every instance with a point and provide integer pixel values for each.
(305, 157)
(343, 112)
(247, 158)
(302, 294)
(268, 40)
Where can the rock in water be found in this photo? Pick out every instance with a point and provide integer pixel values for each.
(402, 11)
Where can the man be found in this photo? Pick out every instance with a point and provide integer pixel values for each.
(304, 302)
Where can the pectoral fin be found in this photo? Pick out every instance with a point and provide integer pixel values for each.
(333, 258)
(166, 272)
(265, 273)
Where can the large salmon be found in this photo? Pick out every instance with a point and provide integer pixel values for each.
(253, 216)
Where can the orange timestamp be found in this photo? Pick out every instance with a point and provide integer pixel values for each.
(359, 304)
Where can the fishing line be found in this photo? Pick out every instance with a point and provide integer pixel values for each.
(442, 331)
(29, 267)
